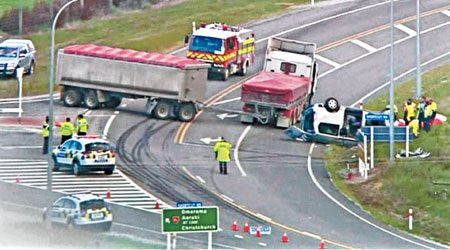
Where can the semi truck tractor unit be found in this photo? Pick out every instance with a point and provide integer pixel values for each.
(228, 49)
(100, 76)
(280, 92)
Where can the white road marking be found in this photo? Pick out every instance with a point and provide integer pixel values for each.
(98, 115)
(236, 151)
(88, 113)
(238, 236)
(263, 216)
(19, 147)
(124, 105)
(313, 178)
(116, 112)
(227, 198)
(226, 101)
(364, 45)
(108, 125)
(200, 179)
(327, 61)
(446, 12)
(405, 29)
(262, 244)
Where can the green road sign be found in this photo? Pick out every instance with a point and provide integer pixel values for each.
(190, 220)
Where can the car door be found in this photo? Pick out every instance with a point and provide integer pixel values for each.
(56, 211)
(69, 208)
(24, 59)
(63, 153)
(74, 150)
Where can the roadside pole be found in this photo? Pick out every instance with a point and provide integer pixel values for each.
(418, 59)
(209, 240)
(19, 76)
(410, 219)
(391, 88)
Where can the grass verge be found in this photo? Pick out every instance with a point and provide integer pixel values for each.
(405, 184)
(148, 29)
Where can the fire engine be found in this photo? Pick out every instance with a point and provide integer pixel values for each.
(229, 49)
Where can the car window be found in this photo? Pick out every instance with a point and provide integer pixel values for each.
(75, 145)
(8, 52)
(69, 204)
(97, 146)
(59, 203)
(67, 144)
(23, 51)
(329, 129)
(92, 204)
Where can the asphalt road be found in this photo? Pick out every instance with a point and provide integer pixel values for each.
(278, 184)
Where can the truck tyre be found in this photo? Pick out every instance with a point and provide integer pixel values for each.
(243, 70)
(71, 98)
(162, 110)
(226, 74)
(91, 100)
(113, 102)
(331, 104)
(31, 69)
(186, 112)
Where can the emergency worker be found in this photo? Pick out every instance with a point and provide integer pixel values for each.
(81, 125)
(433, 108)
(428, 113)
(66, 130)
(414, 126)
(45, 133)
(387, 111)
(409, 108)
(222, 150)
(422, 105)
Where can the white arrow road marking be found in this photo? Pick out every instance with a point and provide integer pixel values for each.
(208, 140)
(226, 115)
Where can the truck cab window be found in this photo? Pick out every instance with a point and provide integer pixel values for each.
(292, 67)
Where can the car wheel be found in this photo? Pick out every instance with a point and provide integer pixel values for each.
(91, 100)
(76, 168)
(70, 224)
(71, 98)
(186, 112)
(226, 74)
(162, 110)
(31, 69)
(332, 104)
(109, 171)
(55, 163)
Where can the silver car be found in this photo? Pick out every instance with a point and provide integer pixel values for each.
(16, 53)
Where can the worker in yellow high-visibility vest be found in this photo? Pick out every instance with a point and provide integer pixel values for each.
(66, 130)
(428, 113)
(45, 133)
(222, 150)
(410, 109)
(81, 125)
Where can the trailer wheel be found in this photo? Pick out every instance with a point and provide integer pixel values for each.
(332, 104)
(71, 98)
(186, 112)
(91, 100)
(162, 110)
(113, 102)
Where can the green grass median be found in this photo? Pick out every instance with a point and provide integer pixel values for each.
(407, 183)
(147, 29)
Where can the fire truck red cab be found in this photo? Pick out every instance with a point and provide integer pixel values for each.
(229, 49)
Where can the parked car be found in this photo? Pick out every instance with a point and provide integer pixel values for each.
(83, 154)
(15, 53)
(80, 210)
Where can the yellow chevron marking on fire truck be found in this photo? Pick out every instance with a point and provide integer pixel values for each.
(246, 50)
(248, 41)
(189, 54)
(209, 57)
(221, 58)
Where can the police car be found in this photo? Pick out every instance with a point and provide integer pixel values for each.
(80, 210)
(83, 154)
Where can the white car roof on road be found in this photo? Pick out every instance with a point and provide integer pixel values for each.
(84, 197)
(19, 42)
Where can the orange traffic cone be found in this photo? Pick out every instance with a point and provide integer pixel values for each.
(258, 233)
(157, 205)
(18, 179)
(108, 194)
(235, 226)
(321, 244)
(284, 238)
(246, 228)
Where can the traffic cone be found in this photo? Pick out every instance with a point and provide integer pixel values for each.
(108, 194)
(235, 226)
(258, 233)
(246, 228)
(321, 244)
(18, 179)
(284, 238)
(157, 205)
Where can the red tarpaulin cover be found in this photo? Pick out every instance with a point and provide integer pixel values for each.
(278, 88)
(131, 55)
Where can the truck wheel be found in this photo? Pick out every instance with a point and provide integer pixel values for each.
(226, 74)
(243, 70)
(113, 102)
(91, 100)
(331, 104)
(186, 112)
(162, 110)
(71, 98)
(31, 69)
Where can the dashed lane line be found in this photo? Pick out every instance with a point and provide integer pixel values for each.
(327, 61)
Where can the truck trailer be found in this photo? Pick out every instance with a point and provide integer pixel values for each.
(100, 76)
(280, 92)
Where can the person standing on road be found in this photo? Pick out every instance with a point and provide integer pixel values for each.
(45, 133)
(81, 125)
(66, 130)
(409, 108)
(222, 150)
